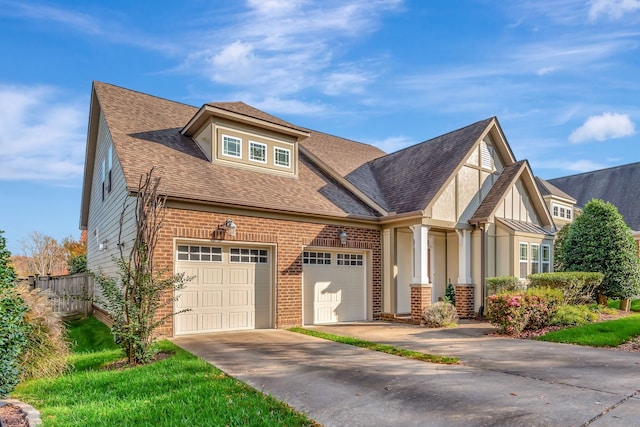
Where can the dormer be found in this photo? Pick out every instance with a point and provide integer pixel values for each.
(238, 135)
(560, 204)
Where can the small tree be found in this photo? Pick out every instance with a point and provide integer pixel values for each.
(13, 328)
(600, 241)
(133, 299)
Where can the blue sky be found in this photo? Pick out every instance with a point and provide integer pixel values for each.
(563, 77)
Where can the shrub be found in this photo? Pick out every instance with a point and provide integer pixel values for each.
(13, 329)
(499, 284)
(440, 314)
(505, 312)
(514, 312)
(573, 315)
(577, 287)
(450, 293)
(540, 306)
(46, 348)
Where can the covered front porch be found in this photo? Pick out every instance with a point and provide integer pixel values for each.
(420, 260)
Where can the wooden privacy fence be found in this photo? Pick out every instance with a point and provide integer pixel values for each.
(67, 293)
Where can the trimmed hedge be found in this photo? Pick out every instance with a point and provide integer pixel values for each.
(500, 284)
(577, 287)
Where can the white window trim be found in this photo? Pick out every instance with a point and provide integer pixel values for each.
(264, 147)
(239, 156)
(544, 262)
(275, 157)
(523, 260)
(535, 245)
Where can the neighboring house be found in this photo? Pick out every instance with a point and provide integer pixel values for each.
(618, 185)
(280, 225)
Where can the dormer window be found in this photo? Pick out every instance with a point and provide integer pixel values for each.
(231, 146)
(281, 157)
(257, 152)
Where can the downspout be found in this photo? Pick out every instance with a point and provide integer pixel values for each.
(482, 267)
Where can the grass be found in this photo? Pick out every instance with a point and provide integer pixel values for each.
(614, 303)
(383, 348)
(611, 333)
(179, 390)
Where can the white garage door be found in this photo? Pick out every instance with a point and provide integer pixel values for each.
(230, 288)
(334, 286)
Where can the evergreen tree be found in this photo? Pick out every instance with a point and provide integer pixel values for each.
(600, 241)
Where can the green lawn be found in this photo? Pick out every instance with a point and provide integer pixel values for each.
(179, 390)
(384, 348)
(635, 304)
(611, 333)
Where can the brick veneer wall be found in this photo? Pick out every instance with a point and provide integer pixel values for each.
(420, 299)
(289, 236)
(465, 301)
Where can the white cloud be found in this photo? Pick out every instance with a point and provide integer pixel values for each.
(603, 127)
(283, 47)
(575, 166)
(393, 143)
(42, 139)
(613, 9)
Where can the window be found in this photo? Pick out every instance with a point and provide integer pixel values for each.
(103, 178)
(349, 259)
(199, 253)
(524, 260)
(315, 258)
(546, 258)
(555, 210)
(258, 256)
(281, 157)
(535, 258)
(561, 212)
(231, 146)
(568, 213)
(257, 152)
(110, 160)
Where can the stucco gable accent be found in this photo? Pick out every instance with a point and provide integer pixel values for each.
(519, 171)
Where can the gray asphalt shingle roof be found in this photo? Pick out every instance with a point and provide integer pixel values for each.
(619, 185)
(409, 179)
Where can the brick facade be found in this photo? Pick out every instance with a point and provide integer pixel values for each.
(420, 299)
(465, 301)
(289, 237)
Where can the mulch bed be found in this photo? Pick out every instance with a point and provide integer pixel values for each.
(13, 416)
(633, 345)
(124, 363)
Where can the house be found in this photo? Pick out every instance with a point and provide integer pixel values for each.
(618, 185)
(280, 225)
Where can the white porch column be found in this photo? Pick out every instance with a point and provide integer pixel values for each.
(464, 256)
(420, 255)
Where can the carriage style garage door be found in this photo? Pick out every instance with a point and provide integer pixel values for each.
(230, 288)
(334, 286)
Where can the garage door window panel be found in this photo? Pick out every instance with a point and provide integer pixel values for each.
(245, 255)
(316, 258)
(199, 253)
(350, 260)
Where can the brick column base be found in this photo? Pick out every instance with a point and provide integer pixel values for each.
(465, 301)
(420, 299)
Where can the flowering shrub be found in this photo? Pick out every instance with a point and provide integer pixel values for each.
(514, 312)
(506, 312)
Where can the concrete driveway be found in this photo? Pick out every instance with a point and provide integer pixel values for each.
(500, 382)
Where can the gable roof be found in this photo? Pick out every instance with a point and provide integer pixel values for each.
(618, 185)
(146, 133)
(548, 189)
(507, 179)
(409, 179)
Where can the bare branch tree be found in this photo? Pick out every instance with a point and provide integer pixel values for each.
(44, 255)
